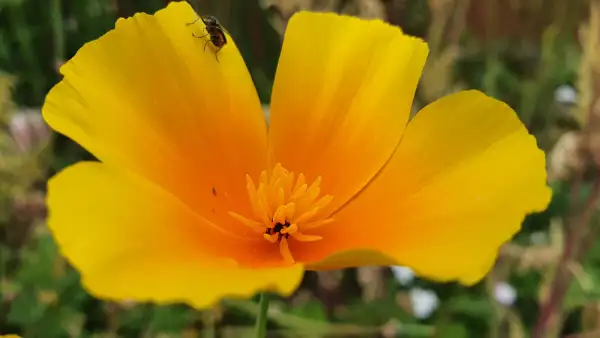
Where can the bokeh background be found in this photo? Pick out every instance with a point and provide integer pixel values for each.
(541, 57)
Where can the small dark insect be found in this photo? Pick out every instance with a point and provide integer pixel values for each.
(214, 30)
(214, 192)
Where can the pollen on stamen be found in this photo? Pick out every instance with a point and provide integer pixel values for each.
(284, 206)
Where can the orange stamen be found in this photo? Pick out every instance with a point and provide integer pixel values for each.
(284, 205)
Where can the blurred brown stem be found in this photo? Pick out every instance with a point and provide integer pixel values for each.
(394, 10)
(577, 226)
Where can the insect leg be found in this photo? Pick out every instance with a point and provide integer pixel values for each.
(217, 54)
(207, 41)
(199, 37)
(191, 23)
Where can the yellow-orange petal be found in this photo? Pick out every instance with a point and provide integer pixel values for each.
(463, 178)
(147, 97)
(341, 98)
(130, 239)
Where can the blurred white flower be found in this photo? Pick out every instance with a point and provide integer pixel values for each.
(28, 129)
(403, 274)
(505, 293)
(539, 238)
(424, 302)
(565, 94)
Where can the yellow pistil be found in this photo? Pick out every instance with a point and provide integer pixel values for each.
(284, 206)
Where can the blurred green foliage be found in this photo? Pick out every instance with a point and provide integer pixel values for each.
(521, 60)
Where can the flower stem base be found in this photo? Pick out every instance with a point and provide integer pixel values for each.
(261, 320)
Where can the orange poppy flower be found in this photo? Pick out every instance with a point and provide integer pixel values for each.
(194, 198)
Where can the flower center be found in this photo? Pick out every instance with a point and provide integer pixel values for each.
(285, 205)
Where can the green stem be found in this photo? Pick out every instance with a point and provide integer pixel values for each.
(261, 319)
(58, 33)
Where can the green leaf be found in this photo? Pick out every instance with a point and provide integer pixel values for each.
(451, 330)
(584, 288)
(376, 312)
(313, 309)
(170, 319)
(134, 320)
(26, 310)
(477, 307)
(39, 271)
